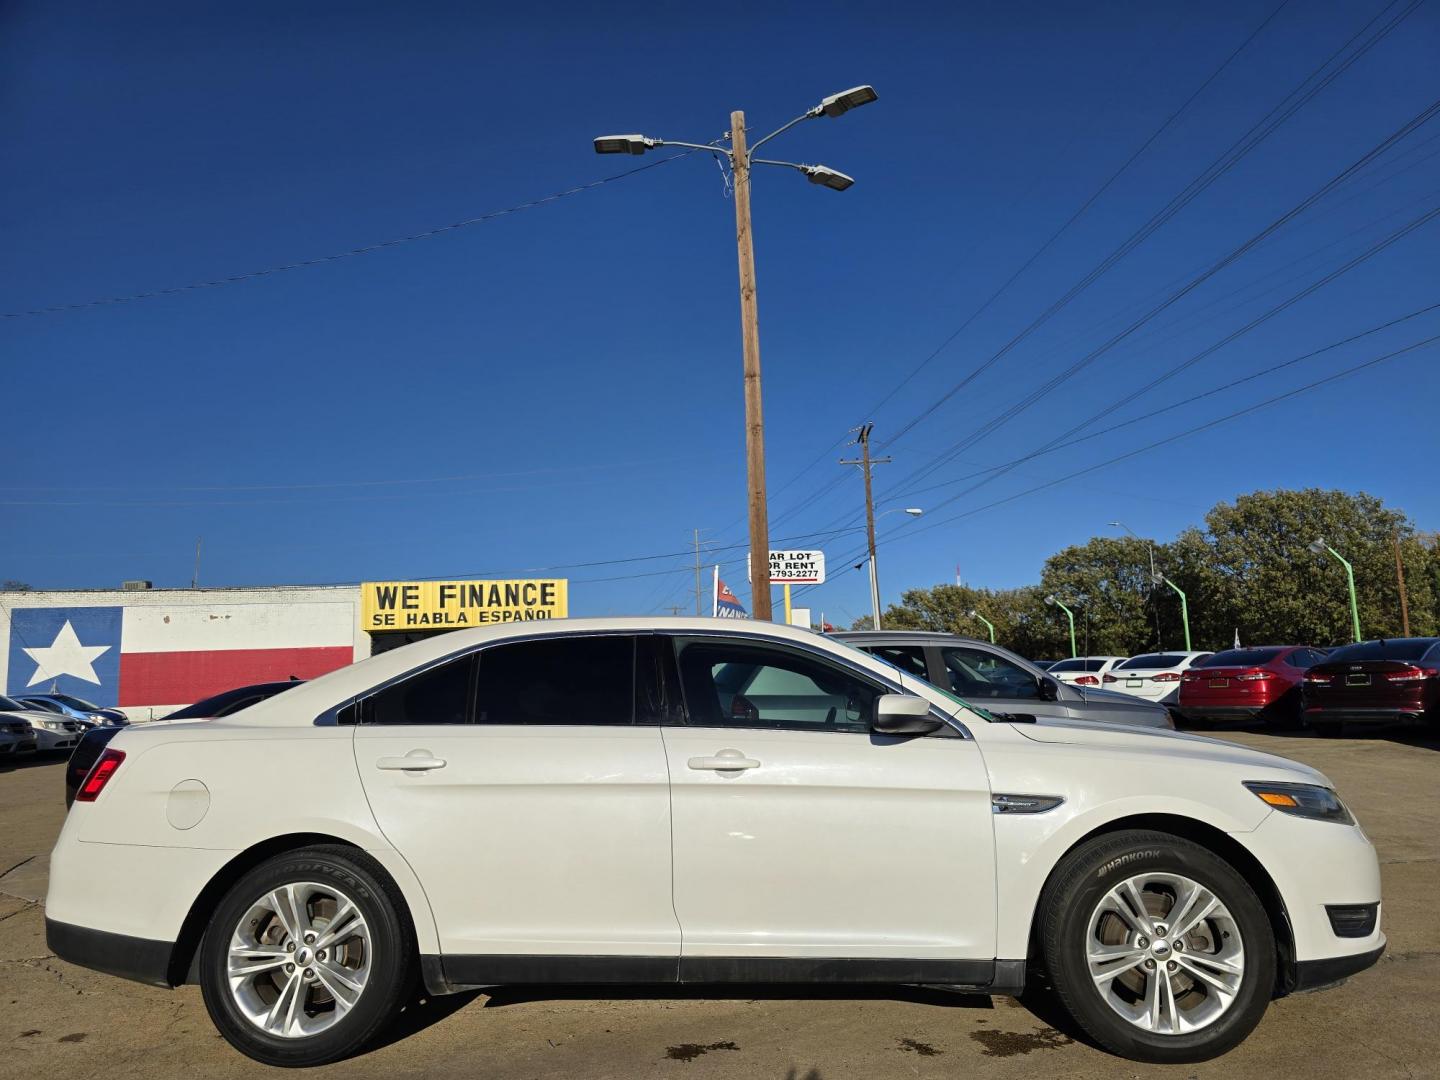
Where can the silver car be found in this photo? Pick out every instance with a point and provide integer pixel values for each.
(16, 737)
(52, 733)
(1000, 681)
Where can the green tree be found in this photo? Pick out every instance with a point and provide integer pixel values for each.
(1107, 583)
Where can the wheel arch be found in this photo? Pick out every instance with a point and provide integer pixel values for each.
(1219, 843)
(184, 957)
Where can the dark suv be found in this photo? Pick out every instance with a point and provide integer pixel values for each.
(999, 680)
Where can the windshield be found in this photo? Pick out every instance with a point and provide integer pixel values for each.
(75, 702)
(1404, 649)
(10, 705)
(1154, 660)
(976, 709)
(1241, 658)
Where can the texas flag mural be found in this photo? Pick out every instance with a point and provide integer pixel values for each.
(172, 655)
(726, 605)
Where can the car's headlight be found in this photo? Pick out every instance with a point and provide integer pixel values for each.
(49, 725)
(1302, 800)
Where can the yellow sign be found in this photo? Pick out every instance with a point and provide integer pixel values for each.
(443, 605)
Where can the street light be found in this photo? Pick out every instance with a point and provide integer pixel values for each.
(1161, 579)
(914, 512)
(1147, 543)
(1320, 547)
(988, 624)
(741, 158)
(1050, 599)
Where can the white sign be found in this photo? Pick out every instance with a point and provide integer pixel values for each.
(800, 616)
(797, 568)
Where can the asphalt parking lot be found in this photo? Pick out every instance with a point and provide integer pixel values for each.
(60, 1021)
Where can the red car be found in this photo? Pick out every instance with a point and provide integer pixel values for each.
(1375, 682)
(1243, 684)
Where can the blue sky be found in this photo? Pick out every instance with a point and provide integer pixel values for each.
(562, 385)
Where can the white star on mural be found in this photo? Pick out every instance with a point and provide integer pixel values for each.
(66, 656)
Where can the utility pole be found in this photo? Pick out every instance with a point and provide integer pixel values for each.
(865, 462)
(1404, 599)
(750, 338)
(195, 579)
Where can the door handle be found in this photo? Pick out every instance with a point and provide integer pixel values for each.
(414, 761)
(724, 761)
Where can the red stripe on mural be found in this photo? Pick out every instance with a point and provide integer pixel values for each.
(179, 678)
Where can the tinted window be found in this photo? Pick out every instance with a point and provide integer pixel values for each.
(745, 686)
(975, 673)
(583, 680)
(1154, 660)
(75, 702)
(43, 706)
(438, 696)
(11, 705)
(908, 658)
(1240, 658)
(231, 701)
(1083, 663)
(1404, 649)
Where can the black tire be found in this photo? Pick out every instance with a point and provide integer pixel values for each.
(392, 958)
(1078, 886)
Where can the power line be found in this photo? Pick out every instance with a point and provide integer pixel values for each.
(1423, 117)
(367, 249)
(1247, 410)
(1238, 150)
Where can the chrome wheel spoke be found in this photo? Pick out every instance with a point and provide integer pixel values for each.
(250, 960)
(1130, 895)
(1108, 961)
(346, 923)
(1223, 977)
(289, 910)
(281, 1019)
(341, 983)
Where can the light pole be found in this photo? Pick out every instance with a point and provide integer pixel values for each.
(1137, 536)
(914, 512)
(1161, 579)
(1320, 547)
(1069, 615)
(741, 158)
(988, 624)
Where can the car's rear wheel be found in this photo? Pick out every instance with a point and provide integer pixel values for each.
(1159, 950)
(308, 957)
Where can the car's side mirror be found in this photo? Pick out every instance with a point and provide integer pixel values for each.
(1049, 689)
(904, 714)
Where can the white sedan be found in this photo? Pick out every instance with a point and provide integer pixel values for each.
(1083, 670)
(697, 801)
(1152, 676)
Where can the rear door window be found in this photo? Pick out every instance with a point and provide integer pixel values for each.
(439, 695)
(558, 681)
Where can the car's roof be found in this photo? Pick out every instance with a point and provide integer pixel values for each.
(319, 694)
(903, 635)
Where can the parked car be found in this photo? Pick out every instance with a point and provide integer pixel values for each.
(82, 759)
(631, 800)
(52, 732)
(1044, 665)
(17, 737)
(1082, 670)
(998, 679)
(1245, 684)
(232, 701)
(1152, 676)
(1385, 681)
(76, 708)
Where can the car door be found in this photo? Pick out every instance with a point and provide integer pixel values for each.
(992, 681)
(806, 846)
(530, 795)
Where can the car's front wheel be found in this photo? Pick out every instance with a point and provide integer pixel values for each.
(1157, 947)
(307, 958)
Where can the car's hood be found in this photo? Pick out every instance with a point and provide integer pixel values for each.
(1115, 697)
(1123, 738)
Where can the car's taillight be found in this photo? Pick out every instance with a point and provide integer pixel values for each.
(1411, 674)
(1165, 676)
(1190, 676)
(1257, 675)
(1111, 678)
(1318, 678)
(1087, 680)
(100, 775)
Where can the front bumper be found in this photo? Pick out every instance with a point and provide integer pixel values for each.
(140, 959)
(1322, 974)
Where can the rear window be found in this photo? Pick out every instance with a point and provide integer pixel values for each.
(1083, 663)
(1241, 658)
(1153, 660)
(1404, 649)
